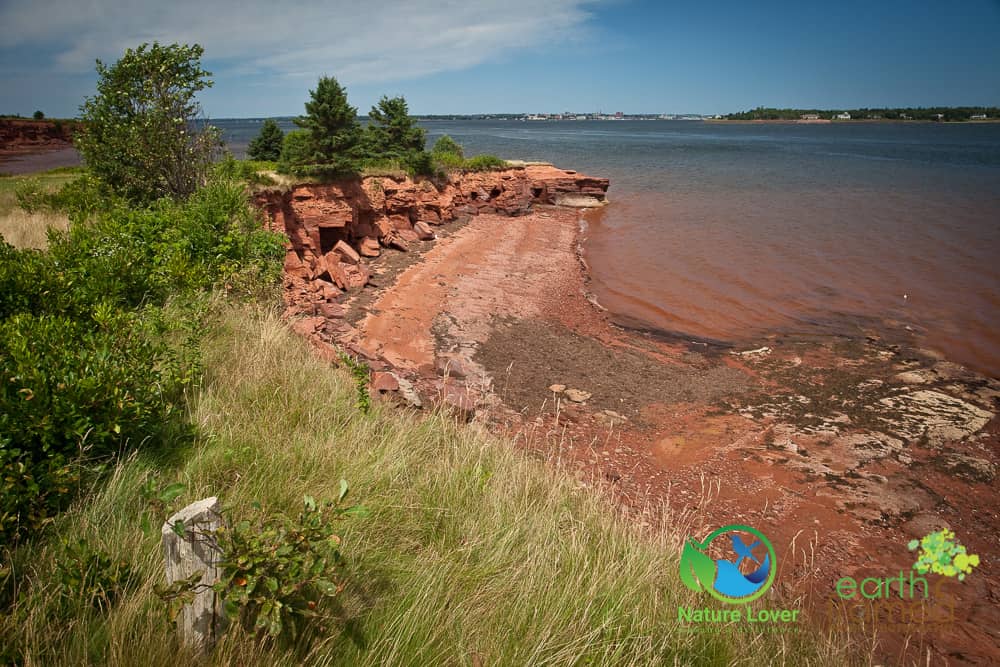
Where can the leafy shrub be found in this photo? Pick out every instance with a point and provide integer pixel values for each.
(448, 154)
(38, 115)
(275, 571)
(250, 172)
(89, 576)
(484, 163)
(267, 144)
(447, 147)
(141, 135)
(81, 379)
(279, 570)
(68, 391)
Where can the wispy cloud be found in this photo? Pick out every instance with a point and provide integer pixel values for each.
(360, 42)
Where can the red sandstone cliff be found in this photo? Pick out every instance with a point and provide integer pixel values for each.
(335, 229)
(20, 134)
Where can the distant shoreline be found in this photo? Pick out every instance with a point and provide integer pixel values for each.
(853, 121)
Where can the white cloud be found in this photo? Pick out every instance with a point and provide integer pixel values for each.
(359, 42)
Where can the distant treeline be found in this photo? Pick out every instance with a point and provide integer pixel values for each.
(909, 113)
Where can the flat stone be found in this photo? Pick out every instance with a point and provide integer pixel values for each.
(971, 468)
(577, 395)
(384, 382)
(557, 388)
(938, 416)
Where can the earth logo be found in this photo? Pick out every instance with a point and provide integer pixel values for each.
(743, 577)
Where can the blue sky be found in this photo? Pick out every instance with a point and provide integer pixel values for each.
(448, 56)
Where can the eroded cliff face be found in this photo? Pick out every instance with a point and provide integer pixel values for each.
(21, 134)
(335, 231)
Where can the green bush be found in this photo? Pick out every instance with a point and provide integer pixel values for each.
(141, 135)
(81, 380)
(267, 144)
(277, 571)
(447, 147)
(484, 163)
(294, 150)
(70, 390)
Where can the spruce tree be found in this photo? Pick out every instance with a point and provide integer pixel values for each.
(334, 131)
(267, 144)
(392, 133)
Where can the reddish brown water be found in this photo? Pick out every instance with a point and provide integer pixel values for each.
(736, 264)
(734, 232)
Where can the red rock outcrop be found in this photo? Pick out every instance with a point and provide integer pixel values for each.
(19, 134)
(336, 230)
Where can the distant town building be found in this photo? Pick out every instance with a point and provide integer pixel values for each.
(843, 116)
(978, 116)
(619, 115)
(810, 116)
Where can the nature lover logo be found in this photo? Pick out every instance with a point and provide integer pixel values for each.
(744, 574)
(724, 578)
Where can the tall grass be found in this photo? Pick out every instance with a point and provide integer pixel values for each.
(29, 230)
(474, 553)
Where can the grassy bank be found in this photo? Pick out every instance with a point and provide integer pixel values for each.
(21, 228)
(473, 553)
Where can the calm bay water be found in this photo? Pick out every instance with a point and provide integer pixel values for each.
(732, 232)
(735, 231)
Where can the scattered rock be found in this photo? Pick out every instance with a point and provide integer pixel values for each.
(577, 395)
(557, 388)
(347, 253)
(408, 391)
(759, 352)
(969, 467)
(423, 231)
(914, 377)
(369, 247)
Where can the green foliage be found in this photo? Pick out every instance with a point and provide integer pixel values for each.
(140, 135)
(392, 133)
(277, 571)
(942, 554)
(267, 144)
(361, 375)
(90, 365)
(250, 172)
(448, 154)
(38, 115)
(71, 391)
(334, 144)
(484, 163)
(295, 151)
(90, 576)
(446, 146)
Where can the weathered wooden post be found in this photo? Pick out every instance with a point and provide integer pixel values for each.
(200, 623)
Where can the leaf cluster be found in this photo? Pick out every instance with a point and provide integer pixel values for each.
(141, 135)
(276, 571)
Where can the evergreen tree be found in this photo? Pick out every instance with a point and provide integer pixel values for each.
(267, 144)
(392, 133)
(334, 131)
